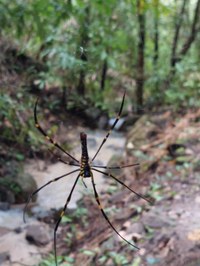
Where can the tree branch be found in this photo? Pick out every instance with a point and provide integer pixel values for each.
(176, 34)
(194, 31)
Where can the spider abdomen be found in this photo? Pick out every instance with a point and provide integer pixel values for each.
(86, 171)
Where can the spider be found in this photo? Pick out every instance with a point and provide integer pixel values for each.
(85, 169)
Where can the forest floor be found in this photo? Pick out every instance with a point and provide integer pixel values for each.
(167, 231)
(167, 145)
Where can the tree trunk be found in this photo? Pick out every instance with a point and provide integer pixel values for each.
(81, 83)
(83, 43)
(156, 34)
(176, 36)
(103, 75)
(156, 41)
(140, 58)
(194, 31)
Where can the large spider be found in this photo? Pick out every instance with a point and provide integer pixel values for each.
(85, 168)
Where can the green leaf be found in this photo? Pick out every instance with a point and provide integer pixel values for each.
(88, 252)
(19, 156)
(66, 219)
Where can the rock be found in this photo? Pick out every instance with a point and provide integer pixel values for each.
(154, 221)
(103, 121)
(18, 230)
(14, 248)
(92, 115)
(46, 216)
(38, 234)
(6, 196)
(4, 257)
(27, 184)
(138, 134)
(129, 121)
(4, 206)
(137, 228)
(15, 185)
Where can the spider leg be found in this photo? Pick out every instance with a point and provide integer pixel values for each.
(112, 127)
(105, 216)
(119, 181)
(37, 190)
(37, 125)
(61, 215)
(115, 167)
(84, 182)
(62, 161)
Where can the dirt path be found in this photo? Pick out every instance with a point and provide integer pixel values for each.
(175, 228)
(172, 225)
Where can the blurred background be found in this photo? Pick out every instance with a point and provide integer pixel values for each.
(78, 57)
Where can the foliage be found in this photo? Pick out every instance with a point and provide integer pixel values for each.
(188, 93)
(52, 32)
(12, 186)
(116, 258)
(80, 213)
(9, 184)
(50, 261)
(17, 126)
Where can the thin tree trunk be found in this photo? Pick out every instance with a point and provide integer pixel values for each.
(177, 57)
(83, 43)
(140, 59)
(156, 34)
(194, 31)
(176, 35)
(81, 83)
(156, 41)
(103, 75)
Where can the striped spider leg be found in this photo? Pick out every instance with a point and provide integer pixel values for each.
(112, 127)
(38, 126)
